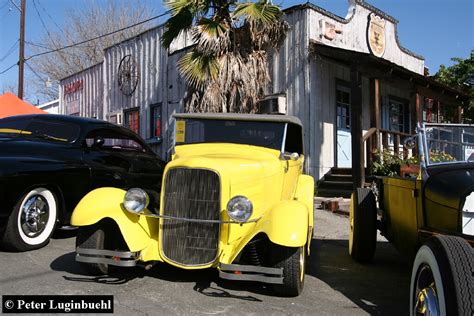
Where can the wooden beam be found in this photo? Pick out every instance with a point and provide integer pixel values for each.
(417, 108)
(358, 170)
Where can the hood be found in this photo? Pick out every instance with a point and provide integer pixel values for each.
(449, 185)
(243, 169)
(241, 162)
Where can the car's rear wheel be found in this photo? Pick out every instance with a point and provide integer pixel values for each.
(363, 225)
(442, 278)
(92, 237)
(32, 221)
(292, 261)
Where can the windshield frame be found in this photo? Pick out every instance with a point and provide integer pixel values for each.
(424, 148)
(281, 147)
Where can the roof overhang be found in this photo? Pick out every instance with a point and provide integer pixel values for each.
(376, 67)
(240, 117)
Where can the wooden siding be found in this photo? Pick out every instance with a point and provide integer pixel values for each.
(353, 36)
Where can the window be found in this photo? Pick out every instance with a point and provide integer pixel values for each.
(155, 123)
(132, 120)
(113, 140)
(343, 100)
(395, 116)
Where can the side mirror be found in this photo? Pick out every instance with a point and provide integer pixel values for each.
(410, 142)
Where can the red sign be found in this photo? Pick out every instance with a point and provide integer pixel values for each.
(73, 86)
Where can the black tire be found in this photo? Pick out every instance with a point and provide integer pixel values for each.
(444, 266)
(362, 225)
(32, 221)
(92, 237)
(293, 261)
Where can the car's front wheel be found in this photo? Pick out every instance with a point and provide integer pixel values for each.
(32, 221)
(292, 261)
(442, 278)
(92, 237)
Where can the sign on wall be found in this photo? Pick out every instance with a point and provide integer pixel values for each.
(376, 35)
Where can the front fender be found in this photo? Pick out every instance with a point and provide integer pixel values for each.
(137, 231)
(287, 224)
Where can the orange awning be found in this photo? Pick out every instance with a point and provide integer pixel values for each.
(11, 105)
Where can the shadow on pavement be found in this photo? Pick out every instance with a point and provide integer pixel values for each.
(203, 279)
(379, 288)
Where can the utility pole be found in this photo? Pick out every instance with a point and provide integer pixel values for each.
(21, 62)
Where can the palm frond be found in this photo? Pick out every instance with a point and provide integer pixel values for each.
(194, 6)
(176, 24)
(212, 35)
(261, 11)
(198, 68)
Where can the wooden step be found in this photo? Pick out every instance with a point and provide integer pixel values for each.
(333, 193)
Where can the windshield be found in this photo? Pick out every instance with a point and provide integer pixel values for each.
(449, 143)
(37, 129)
(264, 134)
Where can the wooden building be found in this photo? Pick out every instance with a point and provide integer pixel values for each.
(349, 80)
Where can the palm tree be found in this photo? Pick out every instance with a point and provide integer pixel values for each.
(226, 70)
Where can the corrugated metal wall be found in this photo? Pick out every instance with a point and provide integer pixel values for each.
(88, 97)
(158, 79)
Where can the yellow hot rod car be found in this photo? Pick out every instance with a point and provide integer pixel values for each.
(233, 197)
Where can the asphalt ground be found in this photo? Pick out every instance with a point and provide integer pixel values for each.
(334, 285)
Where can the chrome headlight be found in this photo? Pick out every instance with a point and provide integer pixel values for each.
(135, 200)
(239, 208)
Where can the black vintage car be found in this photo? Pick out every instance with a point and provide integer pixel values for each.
(49, 162)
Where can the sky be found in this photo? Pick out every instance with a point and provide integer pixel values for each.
(435, 29)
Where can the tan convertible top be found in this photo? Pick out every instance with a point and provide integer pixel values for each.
(240, 117)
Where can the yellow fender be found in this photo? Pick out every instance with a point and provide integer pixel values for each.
(305, 193)
(137, 231)
(287, 224)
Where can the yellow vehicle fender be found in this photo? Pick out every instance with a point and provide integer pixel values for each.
(305, 193)
(287, 224)
(137, 231)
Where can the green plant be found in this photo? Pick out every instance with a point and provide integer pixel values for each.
(440, 156)
(386, 163)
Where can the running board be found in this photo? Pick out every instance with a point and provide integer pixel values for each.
(251, 273)
(110, 257)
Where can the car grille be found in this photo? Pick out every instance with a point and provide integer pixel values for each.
(191, 194)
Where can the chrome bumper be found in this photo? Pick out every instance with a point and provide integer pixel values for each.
(251, 273)
(115, 258)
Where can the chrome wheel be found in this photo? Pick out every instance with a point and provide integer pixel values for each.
(34, 216)
(426, 300)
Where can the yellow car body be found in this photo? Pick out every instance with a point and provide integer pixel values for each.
(281, 196)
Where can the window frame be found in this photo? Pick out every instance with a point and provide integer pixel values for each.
(126, 121)
(153, 120)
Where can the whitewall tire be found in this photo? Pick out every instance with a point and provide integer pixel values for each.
(32, 221)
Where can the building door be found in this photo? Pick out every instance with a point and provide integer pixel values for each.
(343, 121)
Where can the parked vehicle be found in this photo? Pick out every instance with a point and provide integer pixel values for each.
(49, 162)
(428, 217)
(234, 198)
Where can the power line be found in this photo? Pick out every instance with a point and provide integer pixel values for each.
(32, 70)
(98, 37)
(10, 51)
(4, 71)
(42, 22)
(53, 20)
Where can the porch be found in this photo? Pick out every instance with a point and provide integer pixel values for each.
(390, 124)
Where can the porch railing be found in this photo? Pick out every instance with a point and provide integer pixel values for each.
(377, 140)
